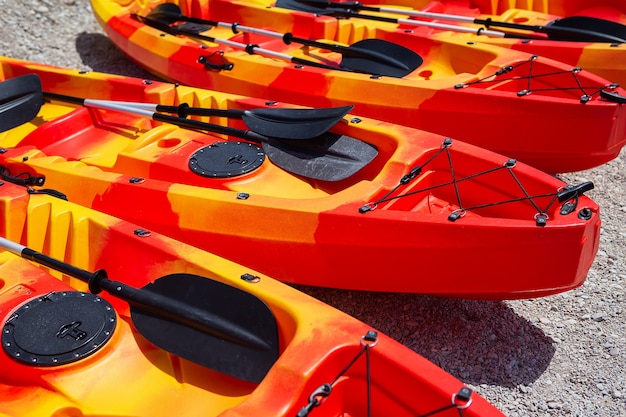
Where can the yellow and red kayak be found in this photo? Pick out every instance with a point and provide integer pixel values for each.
(586, 34)
(496, 23)
(67, 351)
(548, 114)
(428, 214)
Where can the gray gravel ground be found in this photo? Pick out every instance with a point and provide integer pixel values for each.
(561, 355)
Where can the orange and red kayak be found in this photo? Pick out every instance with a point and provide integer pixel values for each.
(586, 34)
(422, 213)
(548, 114)
(68, 351)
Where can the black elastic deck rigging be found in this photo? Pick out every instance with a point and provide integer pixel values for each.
(568, 194)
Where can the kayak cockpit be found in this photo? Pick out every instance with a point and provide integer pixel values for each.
(131, 145)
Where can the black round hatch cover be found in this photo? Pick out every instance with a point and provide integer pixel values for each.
(58, 328)
(226, 159)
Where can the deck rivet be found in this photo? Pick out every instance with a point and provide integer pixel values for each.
(250, 278)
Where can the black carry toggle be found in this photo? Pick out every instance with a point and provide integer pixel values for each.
(574, 191)
(613, 96)
(570, 194)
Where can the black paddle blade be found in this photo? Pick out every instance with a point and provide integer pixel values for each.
(294, 123)
(243, 361)
(20, 100)
(592, 24)
(166, 12)
(330, 157)
(406, 60)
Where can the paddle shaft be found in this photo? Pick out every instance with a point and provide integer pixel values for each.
(283, 123)
(184, 110)
(178, 121)
(410, 22)
(157, 304)
(249, 48)
(305, 116)
(289, 38)
(576, 34)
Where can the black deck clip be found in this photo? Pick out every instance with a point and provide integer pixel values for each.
(315, 399)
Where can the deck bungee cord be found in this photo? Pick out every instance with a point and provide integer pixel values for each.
(568, 194)
(586, 95)
(460, 400)
(25, 179)
(317, 397)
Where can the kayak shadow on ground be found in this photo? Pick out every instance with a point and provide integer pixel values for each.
(100, 54)
(477, 341)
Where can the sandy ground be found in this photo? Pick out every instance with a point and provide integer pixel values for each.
(561, 355)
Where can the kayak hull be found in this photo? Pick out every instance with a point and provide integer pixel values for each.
(130, 376)
(468, 209)
(551, 126)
